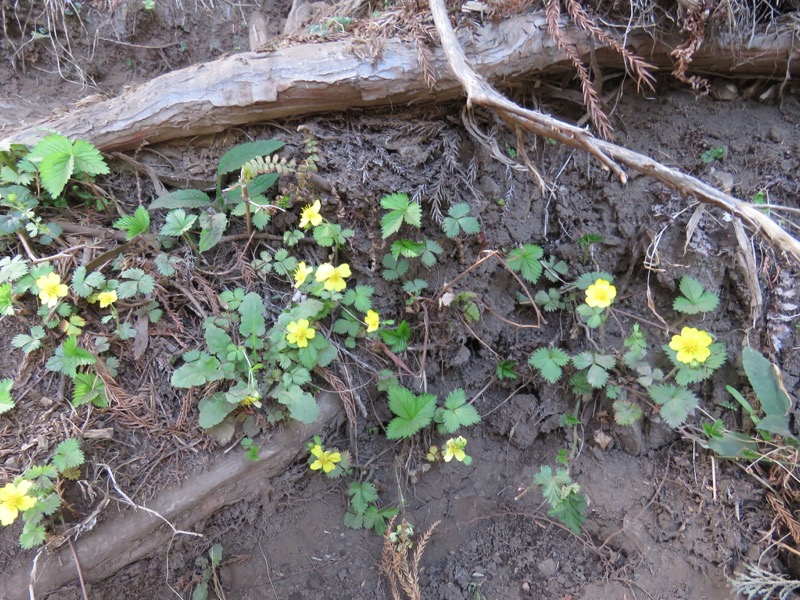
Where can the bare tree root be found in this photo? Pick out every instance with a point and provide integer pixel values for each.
(480, 93)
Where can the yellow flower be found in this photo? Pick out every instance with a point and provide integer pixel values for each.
(310, 215)
(691, 345)
(299, 333)
(333, 277)
(600, 294)
(51, 289)
(13, 499)
(373, 321)
(325, 460)
(107, 298)
(252, 399)
(300, 274)
(454, 448)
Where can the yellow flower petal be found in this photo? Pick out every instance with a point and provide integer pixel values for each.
(600, 294)
(310, 215)
(373, 321)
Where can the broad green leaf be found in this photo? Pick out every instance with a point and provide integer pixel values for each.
(33, 534)
(407, 248)
(766, 382)
(393, 268)
(68, 357)
(676, 402)
(775, 424)
(252, 311)
(397, 338)
(85, 285)
(166, 264)
(213, 410)
(551, 483)
(68, 455)
(549, 362)
(199, 369)
(413, 412)
(217, 339)
(457, 221)
(190, 198)
(302, 405)
(29, 343)
(6, 401)
(88, 159)
(6, 300)
(88, 387)
(733, 444)
(506, 370)
(360, 297)
(211, 229)
(177, 223)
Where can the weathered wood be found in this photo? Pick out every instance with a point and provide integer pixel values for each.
(126, 537)
(310, 78)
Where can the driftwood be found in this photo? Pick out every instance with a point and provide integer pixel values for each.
(126, 537)
(311, 78)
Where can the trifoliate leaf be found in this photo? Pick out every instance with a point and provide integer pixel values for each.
(677, 403)
(33, 534)
(177, 223)
(393, 268)
(457, 221)
(199, 368)
(6, 401)
(361, 495)
(549, 362)
(68, 357)
(526, 262)
(88, 387)
(626, 413)
(456, 413)
(360, 297)
(506, 370)
(401, 209)
(134, 224)
(407, 248)
(413, 412)
(695, 298)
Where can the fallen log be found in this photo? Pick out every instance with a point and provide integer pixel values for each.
(312, 78)
(129, 536)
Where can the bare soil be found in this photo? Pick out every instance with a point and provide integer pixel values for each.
(665, 520)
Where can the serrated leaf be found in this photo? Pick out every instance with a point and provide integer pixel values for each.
(587, 279)
(360, 297)
(166, 264)
(361, 495)
(6, 401)
(217, 339)
(597, 376)
(88, 387)
(456, 413)
(12, 268)
(397, 338)
(212, 228)
(68, 455)
(393, 268)
(236, 157)
(407, 248)
(190, 198)
(413, 412)
(88, 159)
(695, 298)
(252, 311)
(133, 225)
(526, 262)
(626, 413)
(32, 535)
(401, 209)
(353, 521)
(506, 370)
(177, 223)
(68, 357)
(677, 403)
(549, 362)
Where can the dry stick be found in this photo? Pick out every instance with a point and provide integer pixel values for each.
(480, 93)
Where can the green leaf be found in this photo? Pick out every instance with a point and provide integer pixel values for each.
(181, 199)
(6, 401)
(88, 387)
(571, 511)
(252, 311)
(166, 264)
(677, 403)
(375, 518)
(29, 343)
(88, 159)
(626, 413)
(215, 554)
(566, 502)
(550, 300)
(549, 362)
(213, 410)
(458, 221)
(428, 256)
(198, 369)
(353, 521)
(6, 300)
(733, 444)
(413, 412)
(775, 424)
(361, 495)
(587, 279)
(456, 413)
(33, 534)
(68, 455)
(553, 269)
(766, 382)
(177, 223)
(507, 370)
(134, 224)
(12, 268)
(393, 268)
(401, 209)
(68, 357)
(397, 338)
(58, 159)
(217, 339)
(236, 157)
(695, 298)
(407, 248)
(302, 405)
(526, 262)
(415, 287)
(137, 282)
(360, 297)
(551, 483)
(211, 229)
(85, 285)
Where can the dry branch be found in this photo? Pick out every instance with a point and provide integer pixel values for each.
(311, 78)
(481, 93)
